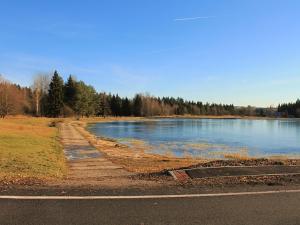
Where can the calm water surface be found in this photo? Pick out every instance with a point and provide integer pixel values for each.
(212, 138)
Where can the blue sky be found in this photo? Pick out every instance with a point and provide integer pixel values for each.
(241, 52)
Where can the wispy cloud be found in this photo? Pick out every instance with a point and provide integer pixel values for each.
(193, 18)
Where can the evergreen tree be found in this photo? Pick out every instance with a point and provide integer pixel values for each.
(102, 105)
(70, 93)
(85, 100)
(181, 107)
(126, 107)
(290, 109)
(55, 96)
(118, 105)
(137, 105)
(112, 104)
(115, 105)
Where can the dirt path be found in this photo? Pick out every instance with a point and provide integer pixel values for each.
(84, 161)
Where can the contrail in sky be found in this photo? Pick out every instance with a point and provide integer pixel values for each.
(193, 18)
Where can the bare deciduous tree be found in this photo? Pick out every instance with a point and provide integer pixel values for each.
(11, 98)
(39, 88)
(4, 103)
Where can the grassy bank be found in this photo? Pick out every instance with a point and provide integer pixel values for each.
(29, 149)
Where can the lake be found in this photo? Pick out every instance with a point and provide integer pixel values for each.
(210, 138)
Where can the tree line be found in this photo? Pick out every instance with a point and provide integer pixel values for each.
(290, 109)
(13, 98)
(52, 97)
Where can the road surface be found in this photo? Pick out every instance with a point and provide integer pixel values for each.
(264, 209)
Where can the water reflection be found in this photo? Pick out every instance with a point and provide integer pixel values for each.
(209, 137)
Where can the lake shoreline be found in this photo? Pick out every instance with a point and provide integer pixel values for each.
(153, 173)
(206, 141)
(118, 144)
(138, 161)
(187, 116)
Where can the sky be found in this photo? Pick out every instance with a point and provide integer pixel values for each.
(223, 51)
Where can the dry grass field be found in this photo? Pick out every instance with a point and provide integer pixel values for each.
(29, 148)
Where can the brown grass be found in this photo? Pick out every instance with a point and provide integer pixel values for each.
(29, 148)
(237, 156)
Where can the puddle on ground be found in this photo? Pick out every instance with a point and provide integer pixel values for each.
(82, 153)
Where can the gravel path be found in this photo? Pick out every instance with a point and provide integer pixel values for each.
(85, 161)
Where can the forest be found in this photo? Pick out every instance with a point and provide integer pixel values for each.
(290, 109)
(52, 97)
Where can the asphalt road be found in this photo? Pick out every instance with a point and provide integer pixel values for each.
(264, 209)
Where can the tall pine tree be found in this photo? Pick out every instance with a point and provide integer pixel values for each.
(137, 105)
(115, 104)
(70, 93)
(55, 96)
(126, 107)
